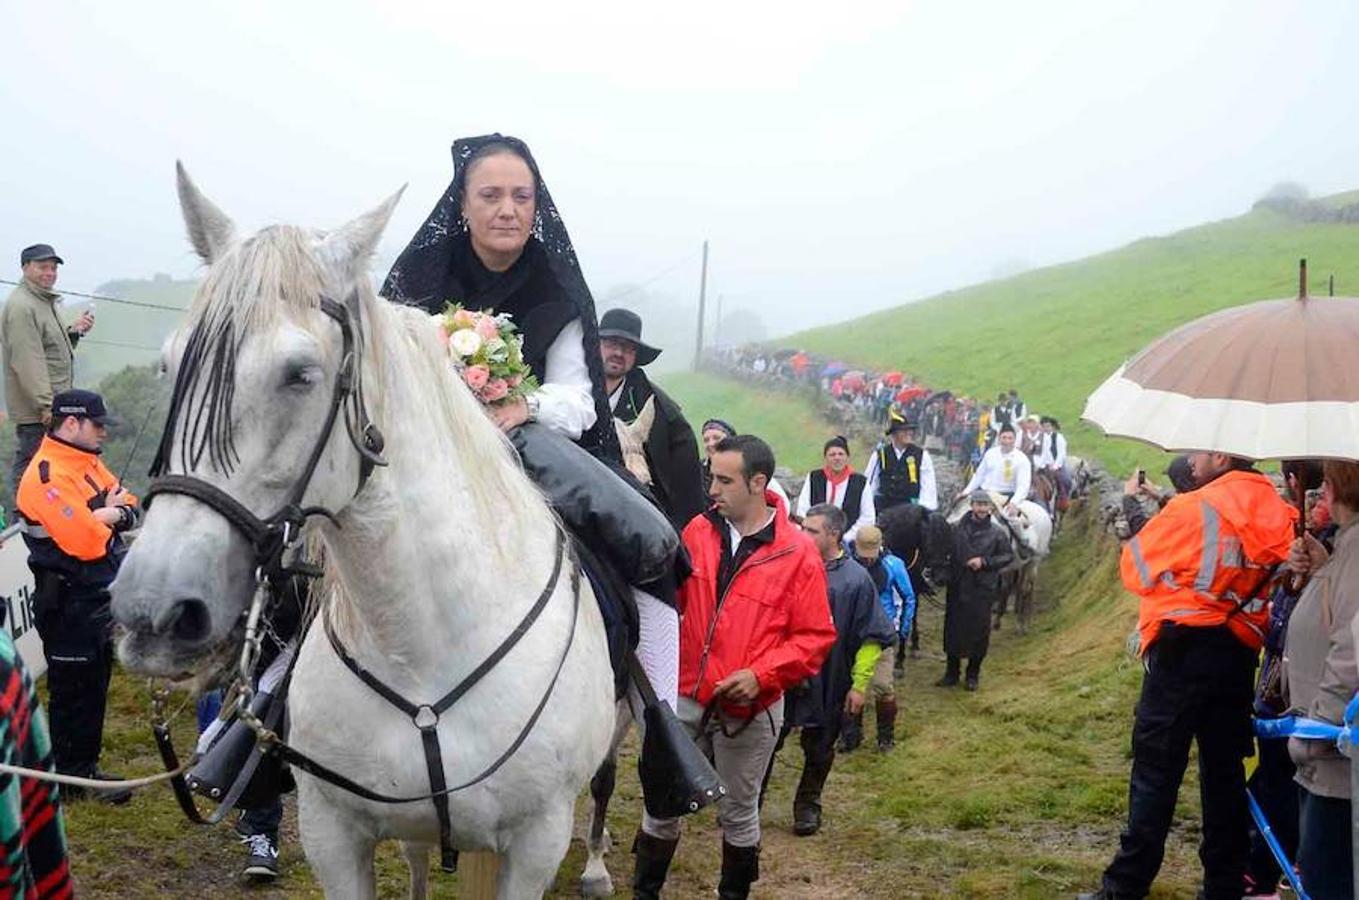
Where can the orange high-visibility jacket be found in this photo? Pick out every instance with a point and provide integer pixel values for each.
(54, 498)
(1208, 553)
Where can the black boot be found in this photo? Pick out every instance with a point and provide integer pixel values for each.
(887, 722)
(807, 800)
(740, 869)
(951, 671)
(851, 732)
(653, 862)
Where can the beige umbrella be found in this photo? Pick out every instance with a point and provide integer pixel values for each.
(1270, 380)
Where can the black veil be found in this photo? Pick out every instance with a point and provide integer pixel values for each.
(422, 272)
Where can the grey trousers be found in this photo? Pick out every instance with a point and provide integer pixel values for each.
(740, 752)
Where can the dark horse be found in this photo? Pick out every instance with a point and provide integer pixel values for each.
(920, 538)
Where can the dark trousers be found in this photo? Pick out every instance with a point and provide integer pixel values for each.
(27, 439)
(263, 819)
(79, 653)
(1274, 789)
(1198, 687)
(955, 665)
(1324, 859)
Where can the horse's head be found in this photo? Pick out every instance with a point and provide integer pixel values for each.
(256, 370)
(632, 440)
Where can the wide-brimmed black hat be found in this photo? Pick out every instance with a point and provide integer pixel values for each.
(624, 324)
(896, 422)
(37, 253)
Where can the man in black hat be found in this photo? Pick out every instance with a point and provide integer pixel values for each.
(671, 449)
(74, 512)
(900, 470)
(38, 350)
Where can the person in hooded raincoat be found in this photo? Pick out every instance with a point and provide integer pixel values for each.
(981, 548)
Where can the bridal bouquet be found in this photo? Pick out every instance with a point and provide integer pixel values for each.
(487, 351)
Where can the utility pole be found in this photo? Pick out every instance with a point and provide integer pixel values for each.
(702, 307)
(717, 324)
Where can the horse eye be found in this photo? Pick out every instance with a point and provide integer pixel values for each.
(303, 375)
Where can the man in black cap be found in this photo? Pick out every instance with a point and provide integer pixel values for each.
(900, 470)
(38, 350)
(671, 449)
(74, 512)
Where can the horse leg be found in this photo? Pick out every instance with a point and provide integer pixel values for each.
(339, 848)
(595, 880)
(417, 859)
(529, 863)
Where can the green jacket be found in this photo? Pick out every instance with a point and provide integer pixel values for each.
(38, 352)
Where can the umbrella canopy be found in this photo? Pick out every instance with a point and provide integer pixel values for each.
(906, 395)
(834, 368)
(1270, 380)
(892, 379)
(853, 381)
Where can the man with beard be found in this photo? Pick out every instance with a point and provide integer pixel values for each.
(862, 632)
(981, 548)
(671, 450)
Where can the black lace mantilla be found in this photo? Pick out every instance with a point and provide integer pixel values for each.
(423, 272)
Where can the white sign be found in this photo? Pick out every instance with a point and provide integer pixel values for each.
(16, 591)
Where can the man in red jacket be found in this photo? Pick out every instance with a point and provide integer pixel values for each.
(755, 622)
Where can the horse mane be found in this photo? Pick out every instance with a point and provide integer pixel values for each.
(275, 276)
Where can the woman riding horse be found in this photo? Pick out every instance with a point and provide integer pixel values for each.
(496, 241)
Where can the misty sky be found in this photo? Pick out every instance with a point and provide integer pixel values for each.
(840, 157)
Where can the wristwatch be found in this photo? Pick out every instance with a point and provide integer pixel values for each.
(531, 404)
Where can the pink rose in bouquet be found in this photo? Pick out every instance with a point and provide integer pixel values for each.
(487, 328)
(464, 318)
(476, 377)
(495, 390)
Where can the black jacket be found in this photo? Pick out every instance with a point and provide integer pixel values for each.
(671, 449)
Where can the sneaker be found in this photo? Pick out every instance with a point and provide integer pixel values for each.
(263, 862)
(971, 684)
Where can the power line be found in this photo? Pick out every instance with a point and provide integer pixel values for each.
(90, 340)
(636, 288)
(106, 299)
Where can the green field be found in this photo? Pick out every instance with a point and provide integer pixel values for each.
(1056, 333)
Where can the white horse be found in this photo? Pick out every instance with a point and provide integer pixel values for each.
(431, 563)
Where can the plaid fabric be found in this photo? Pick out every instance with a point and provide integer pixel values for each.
(32, 834)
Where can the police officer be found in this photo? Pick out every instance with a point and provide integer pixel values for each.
(900, 470)
(74, 511)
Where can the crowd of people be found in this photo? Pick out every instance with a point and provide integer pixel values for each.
(780, 614)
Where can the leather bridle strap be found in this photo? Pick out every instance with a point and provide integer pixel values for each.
(272, 536)
(426, 717)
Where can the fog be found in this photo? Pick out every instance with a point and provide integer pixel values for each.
(839, 160)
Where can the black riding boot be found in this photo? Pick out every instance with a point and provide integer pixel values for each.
(807, 800)
(887, 722)
(652, 863)
(740, 869)
(851, 732)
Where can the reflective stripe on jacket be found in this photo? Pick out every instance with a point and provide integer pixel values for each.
(1208, 557)
(774, 617)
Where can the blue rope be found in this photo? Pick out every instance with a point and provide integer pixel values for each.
(1262, 824)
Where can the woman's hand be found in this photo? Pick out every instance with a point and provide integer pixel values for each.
(510, 415)
(1306, 555)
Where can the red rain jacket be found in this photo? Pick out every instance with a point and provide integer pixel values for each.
(773, 619)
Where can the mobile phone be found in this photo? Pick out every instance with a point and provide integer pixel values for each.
(1141, 477)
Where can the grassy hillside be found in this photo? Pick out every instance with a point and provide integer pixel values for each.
(1056, 333)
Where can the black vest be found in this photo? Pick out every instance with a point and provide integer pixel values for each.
(854, 493)
(898, 479)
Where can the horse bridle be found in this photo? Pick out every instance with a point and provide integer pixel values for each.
(273, 536)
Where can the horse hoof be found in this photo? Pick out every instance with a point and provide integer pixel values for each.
(601, 886)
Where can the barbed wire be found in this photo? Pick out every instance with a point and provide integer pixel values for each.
(107, 299)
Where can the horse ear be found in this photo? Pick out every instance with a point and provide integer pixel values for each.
(645, 419)
(210, 229)
(348, 248)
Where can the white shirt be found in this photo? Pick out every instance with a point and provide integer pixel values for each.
(1052, 451)
(992, 474)
(929, 490)
(566, 401)
(836, 495)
